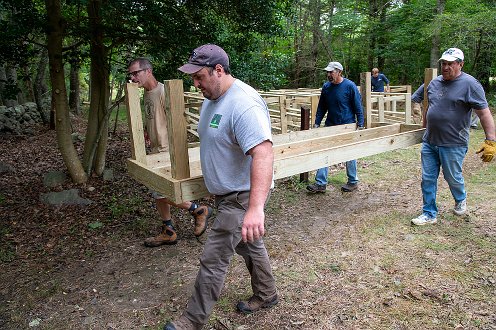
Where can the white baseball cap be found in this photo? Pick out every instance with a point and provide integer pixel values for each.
(452, 54)
(333, 66)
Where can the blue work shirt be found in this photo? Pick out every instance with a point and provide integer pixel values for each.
(342, 103)
(378, 82)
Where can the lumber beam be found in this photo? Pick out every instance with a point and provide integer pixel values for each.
(135, 122)
(176, 128)
(366, 91)
(284, 167)
(429, 74)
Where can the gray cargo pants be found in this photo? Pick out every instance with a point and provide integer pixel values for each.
(223, 240)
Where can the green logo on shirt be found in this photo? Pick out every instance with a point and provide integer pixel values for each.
(214, 123)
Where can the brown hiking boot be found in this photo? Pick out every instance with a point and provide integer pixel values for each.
(349, 187)
(183, 323)
(317, 188)
(201, 215)
(168, 236)
(255, 303)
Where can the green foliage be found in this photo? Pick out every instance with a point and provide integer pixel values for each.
(95, 225)
(121, 206)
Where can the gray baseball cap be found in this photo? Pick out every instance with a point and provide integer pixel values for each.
(205, 55)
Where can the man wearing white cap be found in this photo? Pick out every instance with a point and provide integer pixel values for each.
(341, 100)
(451, 96)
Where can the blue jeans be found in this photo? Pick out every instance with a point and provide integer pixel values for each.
(450, 159)
(351, 173)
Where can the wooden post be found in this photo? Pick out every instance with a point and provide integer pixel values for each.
(366, 91)
(135, 122)
(408, 108)
(430, 73)
(314, 104)
(282, 114)
(176, 129)
(380, 103)
(304, 125)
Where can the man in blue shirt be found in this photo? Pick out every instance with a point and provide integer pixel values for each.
(341, 100)
(378, 80)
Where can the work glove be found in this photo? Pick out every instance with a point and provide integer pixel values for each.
(488, 149)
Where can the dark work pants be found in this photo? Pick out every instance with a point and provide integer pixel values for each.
(223, 240)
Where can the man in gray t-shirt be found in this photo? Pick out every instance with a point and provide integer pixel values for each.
(452, 98)
(237, 165)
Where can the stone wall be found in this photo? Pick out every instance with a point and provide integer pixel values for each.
(20, 119)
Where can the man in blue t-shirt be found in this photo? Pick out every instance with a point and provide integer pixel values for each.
(378, 80)
(452, 97)
(341, 100)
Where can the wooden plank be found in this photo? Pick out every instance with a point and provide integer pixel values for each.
(135, 122)
(408, 108)
(429, 74)
(282, 113)
(176, 128)
(317, 159)
(312, 133)
(365, 91)
(161, 181)
(162, 159)
(154, 180)
(303, 146)
(381, 108)
(314, 104)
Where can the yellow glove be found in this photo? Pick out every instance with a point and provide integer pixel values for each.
(488, 149)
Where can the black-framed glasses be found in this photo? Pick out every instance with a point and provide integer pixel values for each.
(135, 73)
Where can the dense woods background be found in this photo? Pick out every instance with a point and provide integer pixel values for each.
(76, 51)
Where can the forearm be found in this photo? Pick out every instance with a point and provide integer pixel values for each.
(261, 174)
(487, 123)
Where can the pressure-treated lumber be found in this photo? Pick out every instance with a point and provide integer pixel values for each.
(294, 152)
(429, 74)
(365, 91)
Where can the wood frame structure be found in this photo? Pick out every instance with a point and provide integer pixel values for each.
(177, 174)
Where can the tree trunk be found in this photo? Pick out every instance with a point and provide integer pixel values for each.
(40, 86)
(381, 38)
(3, 81)
(74, 90)
(372, 33)
(56, 25)
(97, 133)
(28, 83)
(316, 13)
(330, 26)
(9, 98)
(12, 78)
(436, 34)
(298, 46)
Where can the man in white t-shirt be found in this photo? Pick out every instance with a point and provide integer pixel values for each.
(140, 71)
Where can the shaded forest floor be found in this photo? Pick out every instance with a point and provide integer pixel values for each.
(341, 261)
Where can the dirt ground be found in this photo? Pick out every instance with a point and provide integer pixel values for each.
(341, 260)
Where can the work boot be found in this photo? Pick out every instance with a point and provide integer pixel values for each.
(349, 187)
(316, 188)
(167, 236)
(201, 215)
(255, 303)
(183, 323)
